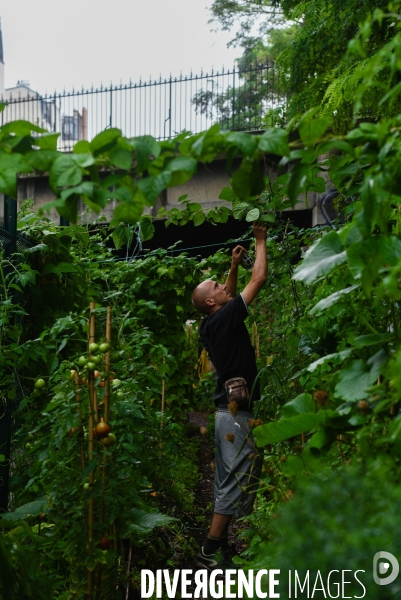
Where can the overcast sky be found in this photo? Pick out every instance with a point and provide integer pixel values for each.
(57, 44)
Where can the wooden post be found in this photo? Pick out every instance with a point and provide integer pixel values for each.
(91, 449)
(107, 367)
(106, 411)
(163, 396)
(78, 399)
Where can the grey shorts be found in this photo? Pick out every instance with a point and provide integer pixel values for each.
(238, 465)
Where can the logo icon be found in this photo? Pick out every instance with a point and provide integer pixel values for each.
(381, 566)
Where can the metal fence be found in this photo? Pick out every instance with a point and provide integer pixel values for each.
(237, 99)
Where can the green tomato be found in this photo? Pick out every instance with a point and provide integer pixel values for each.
(28, 446)
(82, 360)
(120, 394)
(86, 486)
(104, 347)
(97, 359)
(93, 347)
(40, 384)
(115, 383)
(91, 366)
(109, 440)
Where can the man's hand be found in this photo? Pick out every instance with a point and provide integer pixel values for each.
(236, 256)
(259, 231)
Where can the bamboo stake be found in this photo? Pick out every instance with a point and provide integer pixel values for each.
(78, 399)
(128, 569)
(91, 450)
(253, 334)
(340, 447)
(163, 396)
(107, 367)
(106, 411)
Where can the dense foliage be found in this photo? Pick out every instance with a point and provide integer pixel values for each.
(326, 328)
(318, 52)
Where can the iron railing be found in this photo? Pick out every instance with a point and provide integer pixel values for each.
(237, 99)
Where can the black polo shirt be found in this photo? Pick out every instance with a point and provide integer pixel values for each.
(227, 341)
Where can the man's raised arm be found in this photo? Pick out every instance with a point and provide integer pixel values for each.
(231, 282)
(259, 271)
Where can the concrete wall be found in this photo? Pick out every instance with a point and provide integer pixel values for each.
(204, 188)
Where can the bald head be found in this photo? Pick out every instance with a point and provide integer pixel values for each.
(200, 294)
(209, 296)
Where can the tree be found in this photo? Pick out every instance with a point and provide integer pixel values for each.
(317, 69)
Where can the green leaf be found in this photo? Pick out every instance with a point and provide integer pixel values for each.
(301, 404)
(199, 218)
(143, 522)
(321, 441)
(336, 144)
(297, 181)
(194, 206)
(82, 147)
(275, 432)
(180, 169)
(310, 131)
(153, 185)
(47, 141)
(248, 180)
(357, 377)
(22, 128)
(105, 141)
(83, 159)
(121, 158)
(220, 214)
(146, 149)
(147, 229)
(32, 509)
(239, 210)
(304, 463)
(128, 212)
(66, 267)
(41, 160)
(334, 357)
(252, 215)
(321, 258)
(43, 247)
(371, 339)
(368, 257)
(332, 299)
(227, 194)
(64, 172)
(275, 141)
(268, 218)
(243, 142)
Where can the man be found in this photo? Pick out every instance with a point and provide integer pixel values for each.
(226, 339)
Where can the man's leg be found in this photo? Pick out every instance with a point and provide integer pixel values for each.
(219, 527)
(218, 533)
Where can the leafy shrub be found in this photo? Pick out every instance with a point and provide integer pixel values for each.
(335, 522)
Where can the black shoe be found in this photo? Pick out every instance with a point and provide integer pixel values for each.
(228, 551)
(209, 561)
